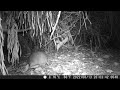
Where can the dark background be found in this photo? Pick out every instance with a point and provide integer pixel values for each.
(110, 27)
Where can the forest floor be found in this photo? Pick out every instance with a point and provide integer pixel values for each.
(67, 63)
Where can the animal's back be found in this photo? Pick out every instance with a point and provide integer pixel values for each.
(38, 58)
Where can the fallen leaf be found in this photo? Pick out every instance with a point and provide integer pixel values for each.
(106, 56)
(109, 71)
(100, 59)
(116, 64)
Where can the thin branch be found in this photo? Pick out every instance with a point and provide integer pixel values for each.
(18, 30)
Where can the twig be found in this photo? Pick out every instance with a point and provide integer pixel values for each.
(18, 30)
